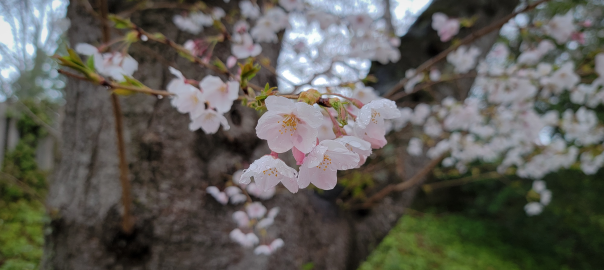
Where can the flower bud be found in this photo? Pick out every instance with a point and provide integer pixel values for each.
(310, 96)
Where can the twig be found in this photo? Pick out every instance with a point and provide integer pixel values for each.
(114, 85)
(403, 185)
(127, 219)
(460, 181)
(468, 39)
(147, 5)
(418, 88)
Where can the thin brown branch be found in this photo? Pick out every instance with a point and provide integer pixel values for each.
(460, 181)
(467, 40)
(422, 86)
(403, 185)
(146, 5)
(113, 85)
(127, 219)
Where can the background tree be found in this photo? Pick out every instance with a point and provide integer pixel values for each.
(176, 224)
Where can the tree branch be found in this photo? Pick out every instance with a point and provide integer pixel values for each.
(403, 185)
(468, 39)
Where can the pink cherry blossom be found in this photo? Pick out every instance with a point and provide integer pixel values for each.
(269, 249)
(445, 26)
(255, 210)
(323, 162)
(220, 95)
(287, 124)
(298, 156)
(268, 171)
(241, 218)
(231, 61)
(370, 121)
(112, 64)
(244, 46)
(221, 197)
(256, 191)
(235, 195)
(245, 240)
(209, 121)
(269, 220)
(358, 146)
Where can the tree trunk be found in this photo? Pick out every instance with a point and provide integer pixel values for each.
(178, 225)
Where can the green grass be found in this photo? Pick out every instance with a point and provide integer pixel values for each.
(21, 234)
(449, 242)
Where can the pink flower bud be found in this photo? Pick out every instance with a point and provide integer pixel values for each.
(231, 61)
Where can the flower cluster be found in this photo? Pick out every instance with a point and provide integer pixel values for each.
(206, 103)
(290, 125)
(251, 222)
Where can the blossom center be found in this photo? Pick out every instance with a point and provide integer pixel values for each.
(375, 114)
(271, 172)
(289, 124)
(325, 163)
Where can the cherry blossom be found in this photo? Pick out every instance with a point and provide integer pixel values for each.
(209, 121)
(244, 46)
(560, 27)
(370, 121)
(259, 193)
(220, 95)
(269, 249)
(235, 195)
(464, 58)
(241, 218)
(358, 146)
(188, 99)
(269, 171)
(322, 163)
(255, 210)
(245, 240)
(220, 197)
(445, 26)
(249, 10)
(112, 64)
(415, 147)
(287, 124)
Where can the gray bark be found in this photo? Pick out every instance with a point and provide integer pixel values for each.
(179, 226)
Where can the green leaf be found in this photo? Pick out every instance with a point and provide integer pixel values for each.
(90, 63)
(120, 23)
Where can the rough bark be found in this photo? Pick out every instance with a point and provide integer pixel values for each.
(179, 226)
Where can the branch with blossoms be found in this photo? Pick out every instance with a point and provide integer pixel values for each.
(337, 127)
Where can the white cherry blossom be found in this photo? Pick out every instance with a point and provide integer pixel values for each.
(269, 171)
(445, 26)
(255, 210)
(269, 249)
(244, 46)
(220, 95)
(249, 10)
(209, 121)
(560, 27)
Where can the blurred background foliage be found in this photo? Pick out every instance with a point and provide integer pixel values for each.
(481, 225)
(22, 188)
